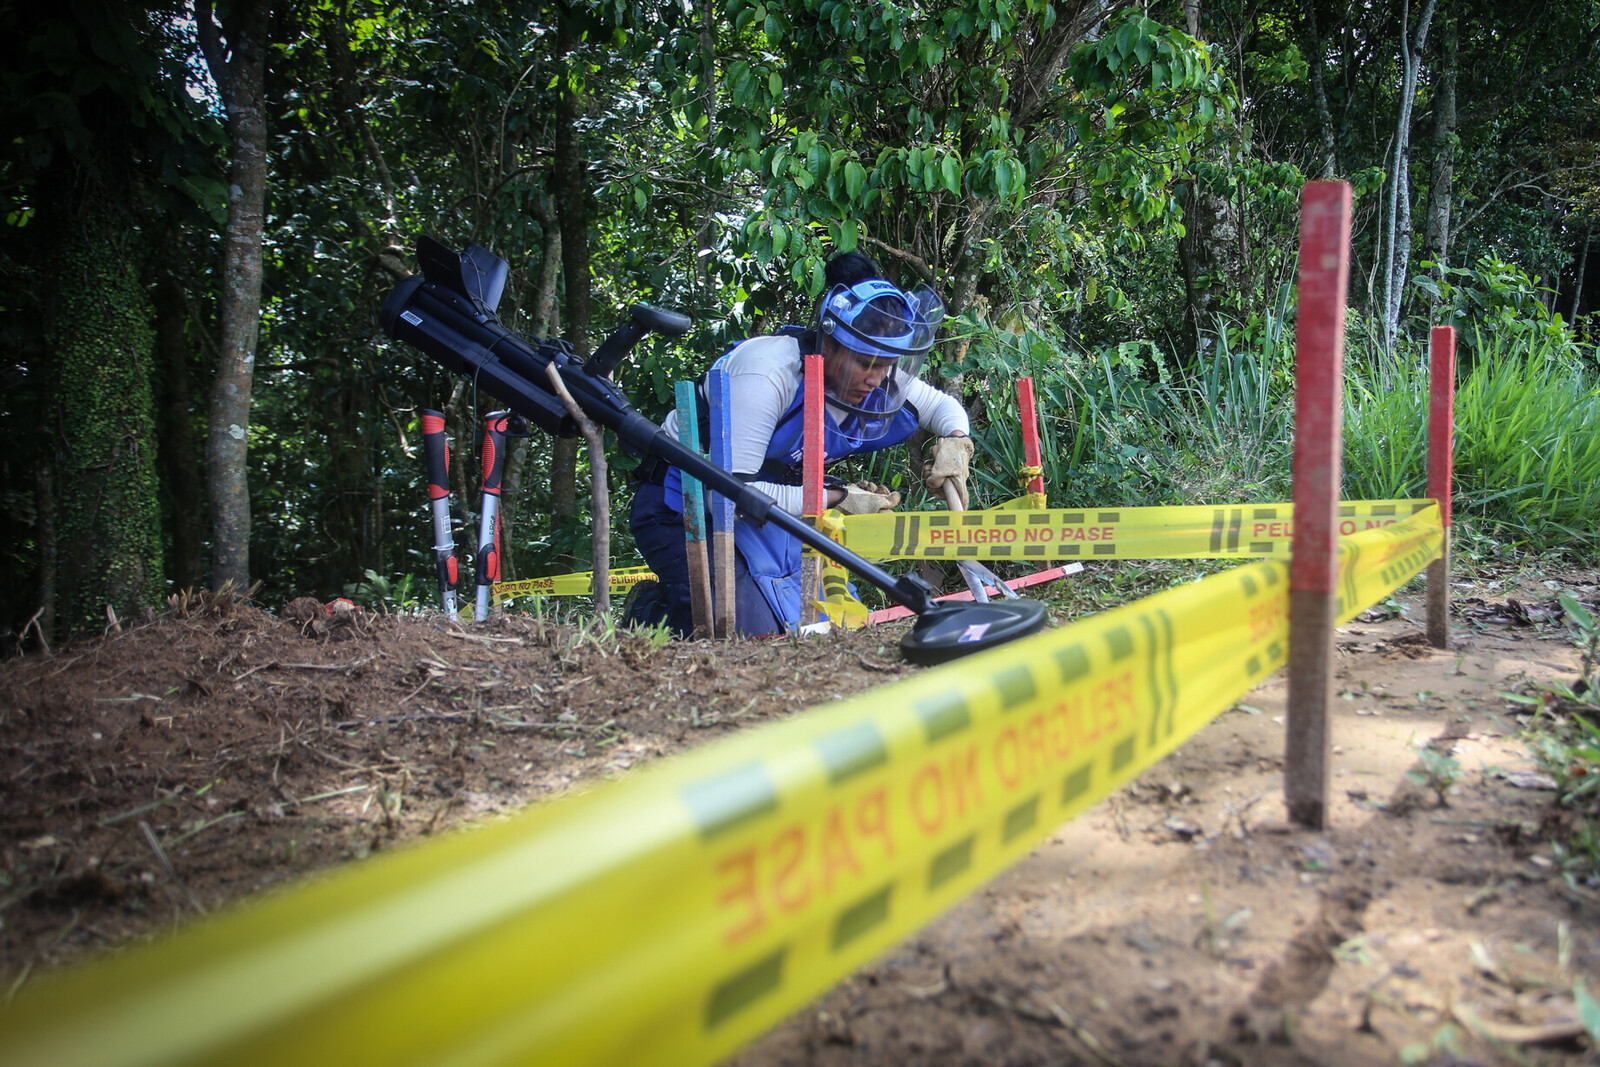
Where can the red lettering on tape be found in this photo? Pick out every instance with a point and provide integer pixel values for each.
(742, 895)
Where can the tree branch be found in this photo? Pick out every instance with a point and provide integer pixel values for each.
(211, 46)
(910, 259)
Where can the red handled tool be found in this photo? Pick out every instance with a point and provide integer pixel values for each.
(436, 453)
(494, 462)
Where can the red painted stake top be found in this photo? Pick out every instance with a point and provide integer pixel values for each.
(1441, 416)
(1319, 374)
(1028, 410)
(813, 498)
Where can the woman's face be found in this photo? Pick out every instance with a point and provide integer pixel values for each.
(851, 376)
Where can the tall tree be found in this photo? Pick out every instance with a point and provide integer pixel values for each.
(1397, 208)
(235, 50)
(94, 121)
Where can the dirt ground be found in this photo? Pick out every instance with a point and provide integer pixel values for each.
(219, 750)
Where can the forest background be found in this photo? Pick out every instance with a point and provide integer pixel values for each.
(204, 206)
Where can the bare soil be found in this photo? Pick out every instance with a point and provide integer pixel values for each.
(219, 750)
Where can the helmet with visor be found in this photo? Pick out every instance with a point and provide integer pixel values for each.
(881, 334)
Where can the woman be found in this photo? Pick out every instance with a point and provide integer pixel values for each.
(873, 337)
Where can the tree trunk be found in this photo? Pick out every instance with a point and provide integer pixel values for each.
(1319, 98)
(239, 68)
(1397, 260)
(180, 454)
(99, 326)
(543, 321)
(570, 188)
(44, 504)
(1583, 263)
(707, 230)
(1436, 238)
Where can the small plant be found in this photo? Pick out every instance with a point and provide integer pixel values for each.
(1438, 771)
(1586, 635)
(394, 596)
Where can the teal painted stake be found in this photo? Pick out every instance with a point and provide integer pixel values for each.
(694, 515)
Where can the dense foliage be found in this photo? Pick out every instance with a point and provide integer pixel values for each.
(1106, 194)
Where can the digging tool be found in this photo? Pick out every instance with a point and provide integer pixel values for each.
(436, 454)
(448, 313)
(494, 463)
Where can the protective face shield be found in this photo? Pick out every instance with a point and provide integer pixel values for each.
(884, 334)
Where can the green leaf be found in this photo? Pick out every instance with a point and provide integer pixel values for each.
(855, 177)
(1579, 614)
(849, 234)
(1588, 1009)
(951, 174)
(775, 85)
(780, 237)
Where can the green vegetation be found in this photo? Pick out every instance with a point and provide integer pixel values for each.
(1564, 738)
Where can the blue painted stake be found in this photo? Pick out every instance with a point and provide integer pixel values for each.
(694, 516)
(722, 513)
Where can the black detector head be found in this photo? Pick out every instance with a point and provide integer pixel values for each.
(947, 631)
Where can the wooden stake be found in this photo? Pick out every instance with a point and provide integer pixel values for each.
(1314, 564)
(722, 511)
(599, 493)
(1441, 461)
(813, 497)
(694, 517)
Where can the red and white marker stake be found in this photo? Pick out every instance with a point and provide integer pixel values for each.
(1314, 564)
(1441, 462)
(1028, 410)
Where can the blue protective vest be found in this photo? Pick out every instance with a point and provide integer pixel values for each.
(772, 555)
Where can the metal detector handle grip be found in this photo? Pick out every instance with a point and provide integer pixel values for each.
(642, 320)
(494, 451)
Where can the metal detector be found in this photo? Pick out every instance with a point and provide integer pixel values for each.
(448, 313)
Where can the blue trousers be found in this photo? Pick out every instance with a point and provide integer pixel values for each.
(658, 533)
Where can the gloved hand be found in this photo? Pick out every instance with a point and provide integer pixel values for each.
(946, 459)
(864, 498)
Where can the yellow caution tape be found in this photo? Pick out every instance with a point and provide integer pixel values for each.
(673, 915)
(578, 584)
(1262, 531)
(837, 603)
(1026, 502)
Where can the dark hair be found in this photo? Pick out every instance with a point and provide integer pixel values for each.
(849, 268)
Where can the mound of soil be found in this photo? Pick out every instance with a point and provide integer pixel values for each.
(162, 772)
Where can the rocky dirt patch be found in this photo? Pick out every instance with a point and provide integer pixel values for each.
(165, 771)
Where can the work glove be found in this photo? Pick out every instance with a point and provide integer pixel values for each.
(864, 498)
(945, 459)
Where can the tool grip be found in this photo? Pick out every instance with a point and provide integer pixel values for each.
(436, 454)
(494, 450)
